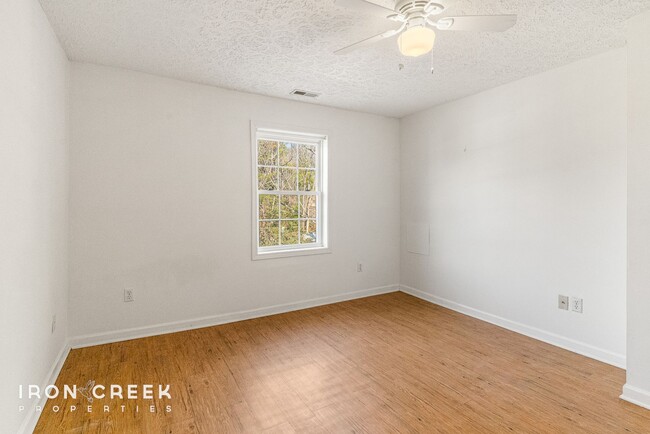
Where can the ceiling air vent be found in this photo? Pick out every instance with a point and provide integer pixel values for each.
(305, 93)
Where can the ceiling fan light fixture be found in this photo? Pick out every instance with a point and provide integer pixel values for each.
(416, 41)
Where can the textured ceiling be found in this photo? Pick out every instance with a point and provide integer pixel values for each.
(273, 46)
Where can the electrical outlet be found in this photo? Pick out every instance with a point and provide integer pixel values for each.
(576, 304)
(563, 302)
(53, 323)
(128, 295)
(359, 267)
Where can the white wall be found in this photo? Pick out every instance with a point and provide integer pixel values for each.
(637, 388)
(33, 202)
(523, 186)
(161, 197)
(524, 189)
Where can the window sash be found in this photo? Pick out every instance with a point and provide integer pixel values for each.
(319, 230)
(289, 192)
(298, 139)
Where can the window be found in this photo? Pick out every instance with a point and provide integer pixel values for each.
(290, 202)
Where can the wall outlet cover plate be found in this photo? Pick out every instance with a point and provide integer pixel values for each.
(576, 304)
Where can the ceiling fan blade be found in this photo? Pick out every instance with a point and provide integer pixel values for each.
(366, 6)
(478, 23)
(369, 41)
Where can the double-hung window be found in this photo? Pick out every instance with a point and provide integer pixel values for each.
(290, 202)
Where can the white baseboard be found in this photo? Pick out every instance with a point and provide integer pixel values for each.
(630, 393)
(582, 348)
(31, 416)
(636, 396)
(178, 326)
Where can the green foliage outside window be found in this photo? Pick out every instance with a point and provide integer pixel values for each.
(287, 219)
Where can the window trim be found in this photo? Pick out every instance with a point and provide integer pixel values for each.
(299, 135)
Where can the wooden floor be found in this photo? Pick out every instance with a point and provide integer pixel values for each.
(390, 363)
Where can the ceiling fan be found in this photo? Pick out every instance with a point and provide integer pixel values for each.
(417, 20)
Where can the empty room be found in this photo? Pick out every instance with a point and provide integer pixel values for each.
(324, 216)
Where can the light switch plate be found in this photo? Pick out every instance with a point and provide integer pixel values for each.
(563, 302)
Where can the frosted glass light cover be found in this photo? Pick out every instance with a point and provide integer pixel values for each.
(416, 41)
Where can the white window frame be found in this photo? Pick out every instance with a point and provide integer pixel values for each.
(297, 135)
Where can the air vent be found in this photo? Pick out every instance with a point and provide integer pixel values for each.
(305, 93)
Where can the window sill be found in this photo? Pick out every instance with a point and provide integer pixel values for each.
(291, 253)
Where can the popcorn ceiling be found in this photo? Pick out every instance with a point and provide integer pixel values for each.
(271, 47)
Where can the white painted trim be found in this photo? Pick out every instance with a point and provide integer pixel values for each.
(178, 326)
(582, 348)
(31, 417)
(291, 252)
(636, 396)
(318, 137)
